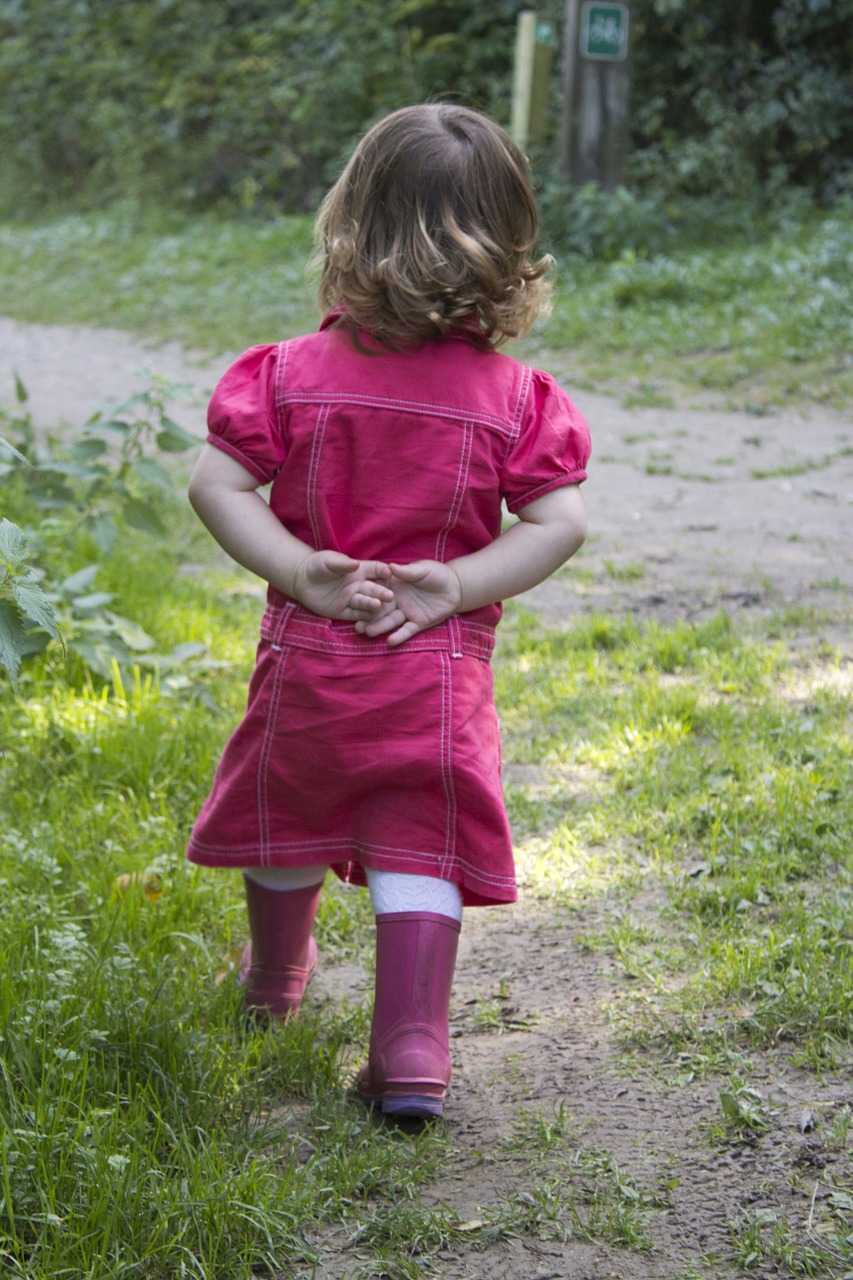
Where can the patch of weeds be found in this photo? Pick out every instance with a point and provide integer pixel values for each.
(633, 571)
(745, 1114)
(800, 468)
(581, 1193)
(538, 1136)
(699, 1062)
(837, 1136)
(648, 395)
(353, 1162)
(797, 617)
(765, 1237)
(591, 1198)
(497, 1013)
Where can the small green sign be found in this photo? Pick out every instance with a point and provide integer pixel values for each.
(604, 32)
(544, 31)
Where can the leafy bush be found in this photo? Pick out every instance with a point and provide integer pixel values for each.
(593, 223)
(256, 102)
(739, 96)
(253, 101)
(76, 502)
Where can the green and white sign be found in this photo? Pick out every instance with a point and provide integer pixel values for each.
(544, 31)
(604, 32)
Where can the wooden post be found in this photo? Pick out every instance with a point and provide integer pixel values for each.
(534, 51)
(596, 82)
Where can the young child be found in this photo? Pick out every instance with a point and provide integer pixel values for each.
(391, 438)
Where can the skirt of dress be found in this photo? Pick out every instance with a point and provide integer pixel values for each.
(370, 758)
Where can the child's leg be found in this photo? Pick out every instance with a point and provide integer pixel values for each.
(281, 958)
(417, 931)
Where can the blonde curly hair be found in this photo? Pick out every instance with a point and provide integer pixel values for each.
(433, 222)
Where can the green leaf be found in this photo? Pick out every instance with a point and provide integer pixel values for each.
(172, 438)
(188, 649)
(154, 473)
(130, 633)
(35, 606)
(96, 600)
(140, 515)
(4, 444)
(103, 531)
(99, 653)
(89, 449)
(732, 1109)
(12, 640)
(79, 581)
(114, 411)
(13, 542)
(20, 390)
(114, 424)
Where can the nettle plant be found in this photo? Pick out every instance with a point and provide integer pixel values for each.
(69, 498)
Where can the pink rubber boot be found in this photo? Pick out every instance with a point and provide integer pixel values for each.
(280, 961)
(408, 1069)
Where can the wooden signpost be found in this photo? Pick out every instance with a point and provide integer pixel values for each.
(596, 81)
(534, 52)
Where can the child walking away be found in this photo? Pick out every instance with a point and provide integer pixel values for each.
(391, 438)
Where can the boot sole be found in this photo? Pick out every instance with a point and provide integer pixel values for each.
(416, 1106)
(424, 1106)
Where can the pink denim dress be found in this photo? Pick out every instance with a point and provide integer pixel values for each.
(352, 754)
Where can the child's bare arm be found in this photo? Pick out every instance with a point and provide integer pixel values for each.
(224, 495)
(549, 531)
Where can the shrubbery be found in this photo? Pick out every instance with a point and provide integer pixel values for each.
(257, 101)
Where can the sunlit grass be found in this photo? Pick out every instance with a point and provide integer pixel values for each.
(697, 767)
(697, 770)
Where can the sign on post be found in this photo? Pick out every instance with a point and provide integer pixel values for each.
(595, 98)
(604, 32)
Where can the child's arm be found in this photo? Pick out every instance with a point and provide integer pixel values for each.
(549, 531)
(224, 496)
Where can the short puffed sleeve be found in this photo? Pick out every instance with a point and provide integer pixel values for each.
(552, 448)
(241, 417)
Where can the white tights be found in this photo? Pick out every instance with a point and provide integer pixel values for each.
(390, 891)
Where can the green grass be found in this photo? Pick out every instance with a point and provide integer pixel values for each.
(756, 323)
(145, 1133)
(703, 767)
(708, 774)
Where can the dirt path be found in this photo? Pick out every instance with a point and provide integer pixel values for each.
(689, 512)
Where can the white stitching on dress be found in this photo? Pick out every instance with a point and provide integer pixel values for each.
(459, 491)
(404, 406)
(313, 475)
(278, 393)
(524, 384)
(446, 748)
(264, 844)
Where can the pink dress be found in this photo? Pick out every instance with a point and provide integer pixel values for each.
(352, 754)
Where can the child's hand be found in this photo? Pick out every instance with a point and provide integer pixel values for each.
(335, 586)
(424, 594)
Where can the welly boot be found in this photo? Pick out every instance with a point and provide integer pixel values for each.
(408, 1068)
(279, 962)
